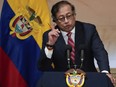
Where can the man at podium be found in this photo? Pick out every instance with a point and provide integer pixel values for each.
(72, 44)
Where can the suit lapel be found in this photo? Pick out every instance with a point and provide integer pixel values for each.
(79, 41)
(61, 44)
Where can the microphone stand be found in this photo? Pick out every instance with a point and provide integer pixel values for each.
(68, 50)
(68, 60)
(82, 58)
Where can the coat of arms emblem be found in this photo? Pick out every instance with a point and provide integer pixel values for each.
(75, 78)
(24, 22)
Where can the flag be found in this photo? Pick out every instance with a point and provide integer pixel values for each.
(22, 25)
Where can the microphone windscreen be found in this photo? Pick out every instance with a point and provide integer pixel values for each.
(68, 47)
(81, 46)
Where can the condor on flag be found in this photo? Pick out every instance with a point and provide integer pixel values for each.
(22, 24)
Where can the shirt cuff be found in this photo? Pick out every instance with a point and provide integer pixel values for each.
(48, 52)
(104, 71)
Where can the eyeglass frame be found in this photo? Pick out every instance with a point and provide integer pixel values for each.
(67, 16)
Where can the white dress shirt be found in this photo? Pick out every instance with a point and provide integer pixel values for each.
(64, 34)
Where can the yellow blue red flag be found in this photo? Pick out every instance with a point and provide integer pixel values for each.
(22, 25)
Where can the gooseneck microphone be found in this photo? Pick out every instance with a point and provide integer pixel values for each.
(82, 57)
(68, 53)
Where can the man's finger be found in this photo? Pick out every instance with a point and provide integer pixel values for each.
(52, 26)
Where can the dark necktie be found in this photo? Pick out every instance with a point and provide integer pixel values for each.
(71, 43)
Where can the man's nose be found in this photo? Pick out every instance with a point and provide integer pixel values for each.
(66, 19)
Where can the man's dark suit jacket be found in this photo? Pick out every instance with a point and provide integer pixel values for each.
(87, 38)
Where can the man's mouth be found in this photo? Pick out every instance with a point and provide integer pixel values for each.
(67, 26)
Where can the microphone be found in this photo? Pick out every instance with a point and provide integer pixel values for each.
(82, 55)
(68, 52)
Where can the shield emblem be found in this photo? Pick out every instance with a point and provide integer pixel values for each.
(74, 79)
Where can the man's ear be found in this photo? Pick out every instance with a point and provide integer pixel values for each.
(54, 19)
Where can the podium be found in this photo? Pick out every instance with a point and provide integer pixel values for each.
(57, 79)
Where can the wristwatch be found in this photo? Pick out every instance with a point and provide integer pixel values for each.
(50, 47)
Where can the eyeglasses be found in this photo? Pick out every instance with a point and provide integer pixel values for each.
(68, 17)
